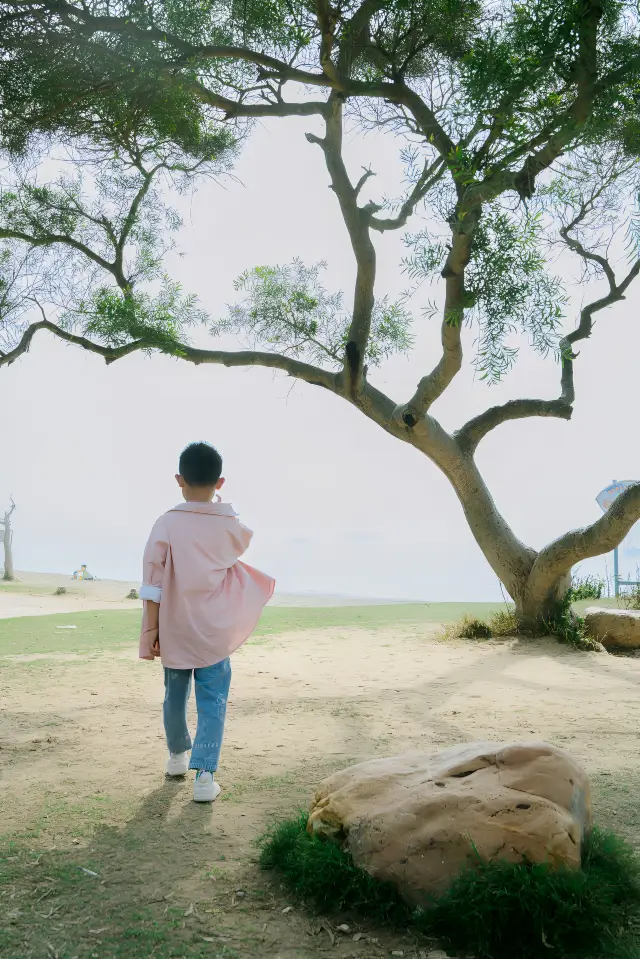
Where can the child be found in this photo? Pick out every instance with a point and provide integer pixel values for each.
(200, 605)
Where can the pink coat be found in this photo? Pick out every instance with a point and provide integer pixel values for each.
(209, 602)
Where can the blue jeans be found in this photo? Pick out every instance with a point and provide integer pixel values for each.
(212, 691)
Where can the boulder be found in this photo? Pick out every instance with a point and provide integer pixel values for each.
(614, 627)
(417, 819)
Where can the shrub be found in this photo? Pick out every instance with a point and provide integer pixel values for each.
(586, 587)
(564, 624)
(631, 599)
(492, 910)
(321, 873)
(570, 628)
(501, 624)
(504, 623)
(498, 910)
(474, 629)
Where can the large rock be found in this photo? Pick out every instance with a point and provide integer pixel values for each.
(416, 819)
(614, 627)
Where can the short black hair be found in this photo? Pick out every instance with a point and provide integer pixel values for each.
(200, 465)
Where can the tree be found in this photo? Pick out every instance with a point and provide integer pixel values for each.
(7, 540)
(515, 120)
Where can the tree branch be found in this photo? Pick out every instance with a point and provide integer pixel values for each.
(327, 21)
(234, 108)
(470, 435)
(314, 375)
(433, 385)
(302, 371)
(574, 244)
(425, 118)
(51, 239)
(579, 112)
(109, 353)
(559, 557)
(154, 37)
(357, 220)
(429, 177)
(331, 77)
(472, 432)
(130, 221)
(541, 150)
(368, 172)
(617, 292)
(355, 35)
(448, 366)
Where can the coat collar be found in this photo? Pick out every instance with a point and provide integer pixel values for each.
(213, 509)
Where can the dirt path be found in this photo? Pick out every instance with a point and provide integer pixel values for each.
(81, 756)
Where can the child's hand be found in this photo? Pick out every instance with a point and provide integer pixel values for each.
(155, 649)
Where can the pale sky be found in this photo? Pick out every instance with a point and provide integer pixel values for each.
(337, 505)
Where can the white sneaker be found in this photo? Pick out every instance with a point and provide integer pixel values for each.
(205, 788)
(177, 764)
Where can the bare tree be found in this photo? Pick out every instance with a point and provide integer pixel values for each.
(7, 539)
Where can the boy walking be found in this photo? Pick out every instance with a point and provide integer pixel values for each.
(200, 605)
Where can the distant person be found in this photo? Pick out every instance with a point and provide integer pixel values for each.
(83, 573)
(200, 605)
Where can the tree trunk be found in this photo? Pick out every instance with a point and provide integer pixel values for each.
(540, 601)
(537, 582)
(9, 572)
(511, 560)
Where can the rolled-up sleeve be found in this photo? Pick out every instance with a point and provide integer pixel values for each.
(154, 593)
(153, 566)
(154, 562)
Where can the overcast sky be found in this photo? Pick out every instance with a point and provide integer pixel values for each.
(337, 506)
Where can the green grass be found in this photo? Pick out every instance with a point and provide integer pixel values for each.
(100, 630)
(95, 631)
(148, 860)
(98, 924)
(567, 625)
(28, 589)
(492, 910)
(131, 903)
(108, 629)
(239, 792)
(277, 619)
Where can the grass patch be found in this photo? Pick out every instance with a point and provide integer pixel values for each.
(492, 910)
(60, 816)
(94, 632)
(27, 589)
(474, 629)
(505, 909)
(105, 878)
(500, 624)
(586, 587)
(567, 625)
(239, 791)
(99, 630)
(630, 599)
(323, 875)
(570, 628)
(96, 923)
(281, 619)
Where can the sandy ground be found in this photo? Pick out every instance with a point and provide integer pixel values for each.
(303, 704)
(33, 595)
